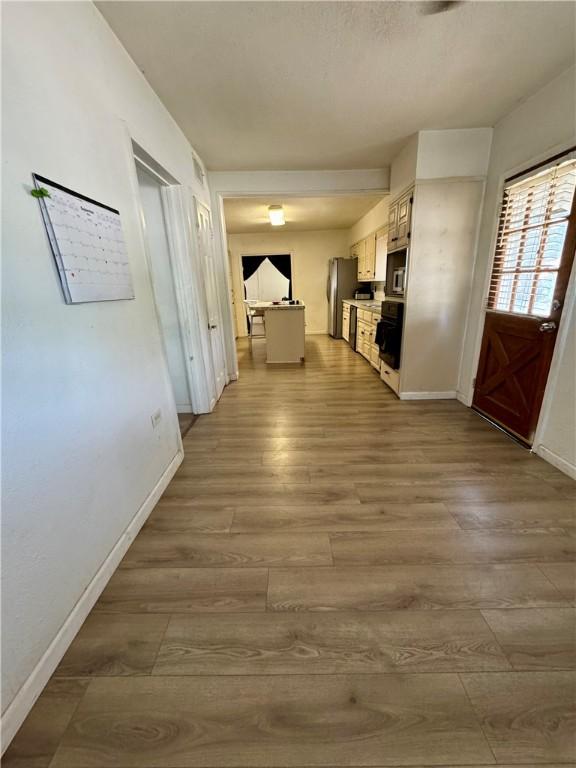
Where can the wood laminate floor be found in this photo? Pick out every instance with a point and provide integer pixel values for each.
(333, 578)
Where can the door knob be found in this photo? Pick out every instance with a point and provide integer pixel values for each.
(547, 327)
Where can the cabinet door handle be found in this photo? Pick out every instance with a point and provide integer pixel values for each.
(394, 239)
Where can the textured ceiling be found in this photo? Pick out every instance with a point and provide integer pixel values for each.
(337, 85)
(250, 214)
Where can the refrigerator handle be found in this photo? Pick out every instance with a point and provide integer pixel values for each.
(329, 283)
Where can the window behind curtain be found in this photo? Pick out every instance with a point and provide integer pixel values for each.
(531, 233)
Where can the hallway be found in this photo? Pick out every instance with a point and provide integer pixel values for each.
(333, 578)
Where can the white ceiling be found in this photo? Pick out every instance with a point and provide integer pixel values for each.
(337, 85)
(250, 214)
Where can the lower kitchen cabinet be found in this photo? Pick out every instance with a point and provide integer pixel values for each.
(390, 376)
(366, 324)
(346, 321)
(365, 333)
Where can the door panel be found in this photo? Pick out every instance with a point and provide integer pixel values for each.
(392, 225)
(370, 257)
(512, 372)
(404, 216)
(205, 245)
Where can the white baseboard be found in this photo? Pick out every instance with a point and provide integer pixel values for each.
(556, 461)
(465, 399)
(23, 702)
(428, 395)
(184, 408)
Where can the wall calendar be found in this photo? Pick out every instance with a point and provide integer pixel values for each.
(87, 244)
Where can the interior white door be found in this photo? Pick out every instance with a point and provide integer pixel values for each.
(190, 294)
(206, 252)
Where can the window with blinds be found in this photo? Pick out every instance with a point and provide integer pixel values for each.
(530, 239)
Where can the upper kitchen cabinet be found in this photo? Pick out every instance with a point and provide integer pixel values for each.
(399, 221)
(381, 240)
(392, 224)
(358, 251)
(404, 219)
(371, 255)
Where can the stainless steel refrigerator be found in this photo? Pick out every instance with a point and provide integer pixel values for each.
(342, 283)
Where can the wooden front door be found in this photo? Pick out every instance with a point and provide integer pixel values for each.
(534, 256)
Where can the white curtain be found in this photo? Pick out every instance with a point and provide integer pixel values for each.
(267, 283)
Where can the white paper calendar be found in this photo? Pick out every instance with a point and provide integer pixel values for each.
(87, 243)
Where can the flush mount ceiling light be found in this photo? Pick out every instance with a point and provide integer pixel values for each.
(276, 215)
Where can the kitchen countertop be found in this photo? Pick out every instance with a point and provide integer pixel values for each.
(265, 305)
(370, 304)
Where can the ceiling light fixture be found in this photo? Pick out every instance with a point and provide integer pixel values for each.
(276, 215)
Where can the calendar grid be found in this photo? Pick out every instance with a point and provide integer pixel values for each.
(87, 244)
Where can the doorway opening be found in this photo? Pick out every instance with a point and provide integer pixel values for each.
(532, 264)
(157, 243)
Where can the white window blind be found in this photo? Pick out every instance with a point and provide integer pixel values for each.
(531, 233)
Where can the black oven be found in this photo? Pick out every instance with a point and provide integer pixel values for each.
(389, 332)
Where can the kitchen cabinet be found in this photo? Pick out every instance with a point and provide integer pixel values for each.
(370, 257)
(404, 219)
(363, 338)
(399, 221)
(358, 251)
(390, 376)
(365, 333)
(392, 223)
(370, 264)
(346, 322)
(381, 255)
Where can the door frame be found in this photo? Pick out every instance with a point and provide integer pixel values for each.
(180, 225)
(567, 311)
(285, 184)
(163, 181)
(132, 150)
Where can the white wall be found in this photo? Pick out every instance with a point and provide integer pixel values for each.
(163, 285)
(80, 455)
(538, 128)
(376, 218)
(445, 219)
(403, 168)
(310, 252)
(453, 153)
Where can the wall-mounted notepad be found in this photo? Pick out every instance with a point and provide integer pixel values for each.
(87, 243)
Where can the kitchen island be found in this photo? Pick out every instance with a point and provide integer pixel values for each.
(285, 327)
